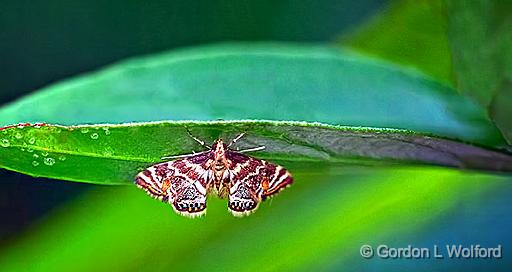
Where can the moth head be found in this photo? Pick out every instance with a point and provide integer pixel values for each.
(219, 148)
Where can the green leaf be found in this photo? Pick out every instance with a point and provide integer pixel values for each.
(480, 35)
(267, 81)
(431, 35)
(282, 82)
(412, 33)
(113, 154)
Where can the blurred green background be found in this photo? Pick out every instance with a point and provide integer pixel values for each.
(319, 223)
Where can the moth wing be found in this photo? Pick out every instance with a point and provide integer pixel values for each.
(252, 181)
(182, 183)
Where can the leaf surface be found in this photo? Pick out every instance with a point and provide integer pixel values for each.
(281, 82)
(113, 154)
(327, 89)
(480, 35)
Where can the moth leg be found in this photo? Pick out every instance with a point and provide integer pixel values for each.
(178, 156)
(236, 139)
(253, 149)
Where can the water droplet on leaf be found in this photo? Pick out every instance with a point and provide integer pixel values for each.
(18, 135)
(44, 153)
(35, 156)
(84, 130)
(35, 163)
(32, 140)
(5, 143)
(94, 136)
(62, 157)
(49, 161)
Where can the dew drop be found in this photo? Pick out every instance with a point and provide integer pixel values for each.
(62, 157)
(84, 130)
(5, 143)
(35, 163)
(49, 161)
(107, 131)
(22, 149)
(44, 153)
(94, 136)
(18, 135)
(30, 150)
(32, 140)
(35, 156)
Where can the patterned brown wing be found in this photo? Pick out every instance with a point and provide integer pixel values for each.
(252, 181)
(182, 183)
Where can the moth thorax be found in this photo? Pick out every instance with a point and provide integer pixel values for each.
(219, 165)
(220, 160)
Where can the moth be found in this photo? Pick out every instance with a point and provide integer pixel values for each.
(186, 182)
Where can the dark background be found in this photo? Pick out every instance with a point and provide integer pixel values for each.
(42, 42)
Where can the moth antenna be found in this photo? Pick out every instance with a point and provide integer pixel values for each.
(253, 149)
(197, 140)
(236, 139)
(177, 156)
